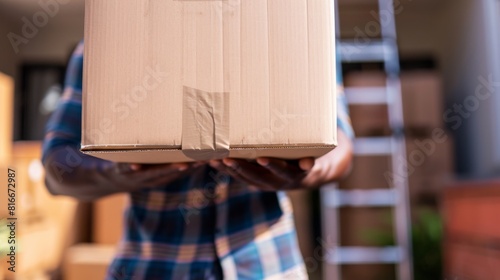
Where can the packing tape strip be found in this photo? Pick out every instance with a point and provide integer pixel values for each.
(205, 124)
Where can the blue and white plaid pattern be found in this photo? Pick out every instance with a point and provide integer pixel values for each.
(205, 226)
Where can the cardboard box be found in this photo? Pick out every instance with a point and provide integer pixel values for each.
(172, 81)
(431, 164)
(6, 117)
(365, 226)
(423, 100)
(368, 120)
(88, 261)
(368, 173)
(107, 219)
(422, 97)
(40, 216)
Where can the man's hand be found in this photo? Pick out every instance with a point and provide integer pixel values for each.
(270, 174)
(140, 176)
(93, 178)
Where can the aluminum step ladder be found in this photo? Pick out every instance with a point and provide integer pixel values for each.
(383, 50)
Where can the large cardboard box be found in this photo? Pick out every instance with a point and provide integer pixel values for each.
(107, 219)
(89, 261)
(171, 81)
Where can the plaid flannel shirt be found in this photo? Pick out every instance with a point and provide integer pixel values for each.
(205, 226)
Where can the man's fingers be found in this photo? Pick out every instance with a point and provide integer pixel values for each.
(280, 168)
(253, 174)
(180, 166)
(164, 179)
(306, 164)
(135, 167)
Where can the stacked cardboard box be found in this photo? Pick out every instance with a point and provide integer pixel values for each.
(429, 147)
(107, 219)
(40, 216)
(88, 261)
(429, 158)
(91, 260)
(422, 97)
(370, 120)
(6, 121)
(471, 248)
(6, 117)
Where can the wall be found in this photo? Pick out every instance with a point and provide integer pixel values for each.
(469, 51)
(8, 59)
(52, 43)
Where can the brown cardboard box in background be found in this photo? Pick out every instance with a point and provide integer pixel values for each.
(107, 219)
(423, 99)
(369, 120)
(361, 226)
(226, 78)
(430, 175)
(6, 121)
(368, 173)
(46, 225)
(89, 261)
(422, 95)
(6, 117)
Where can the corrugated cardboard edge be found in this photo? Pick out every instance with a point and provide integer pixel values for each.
(158, 155)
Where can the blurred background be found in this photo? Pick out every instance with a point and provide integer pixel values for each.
(443, 60)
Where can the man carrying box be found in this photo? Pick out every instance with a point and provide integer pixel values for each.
(204, 220)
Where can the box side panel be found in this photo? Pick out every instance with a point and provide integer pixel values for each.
(289, 72)
(322, 70)
(250, 110)
(132, 77)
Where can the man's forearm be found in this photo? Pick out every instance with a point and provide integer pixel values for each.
(72, 173)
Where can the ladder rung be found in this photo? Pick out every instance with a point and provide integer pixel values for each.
(374, 51)
(364, 255)
(361, 198)
(372, 146)
(366, 95)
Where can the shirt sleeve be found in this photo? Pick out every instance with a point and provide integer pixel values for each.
(64, 126)
(343, 119)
